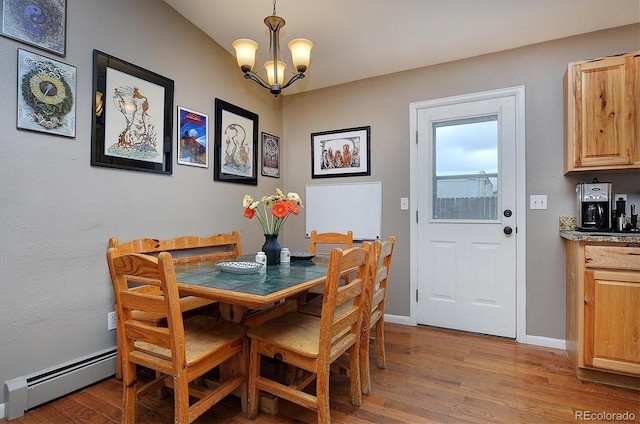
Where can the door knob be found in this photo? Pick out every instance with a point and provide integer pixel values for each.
(507, 213)
(507, 230)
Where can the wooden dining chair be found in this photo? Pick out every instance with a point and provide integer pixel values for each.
(383, 253)
(373, 320)
(182, 351)
(312, 343)
(186, 249)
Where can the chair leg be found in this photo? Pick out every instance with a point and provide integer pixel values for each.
(253, 391)
(118, 356)
(181, 398)
(244, 369)
(380, 352)
(365, 376)
(354, 367)
(322, 395)
(129, 388)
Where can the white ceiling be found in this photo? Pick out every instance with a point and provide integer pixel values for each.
(357, 39)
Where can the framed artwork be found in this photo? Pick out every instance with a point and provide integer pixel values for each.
(132, 120)
(40, 23)
(236, 144)
(193, 138)
(46, 95)
(270, 155)
(341, 153)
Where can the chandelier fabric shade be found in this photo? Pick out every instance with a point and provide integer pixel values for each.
(274, 67)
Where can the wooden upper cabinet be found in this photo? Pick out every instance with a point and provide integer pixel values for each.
(602, 103)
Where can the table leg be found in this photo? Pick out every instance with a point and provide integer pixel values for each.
(231, 312)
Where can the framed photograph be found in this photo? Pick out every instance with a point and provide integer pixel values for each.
(132, 120)
(40, 23)
(193, 138)
(236, 144)
(341, 153)
(46, 95)
(270, 155)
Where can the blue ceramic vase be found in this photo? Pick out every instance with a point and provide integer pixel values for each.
(272, 249)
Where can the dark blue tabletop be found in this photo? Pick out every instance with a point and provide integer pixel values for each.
(278, 281)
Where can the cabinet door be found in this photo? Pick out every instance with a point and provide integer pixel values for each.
(612, 320)
(601, 120)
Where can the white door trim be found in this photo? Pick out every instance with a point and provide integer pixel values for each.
(521, 243)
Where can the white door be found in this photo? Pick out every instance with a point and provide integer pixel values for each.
(466, 215)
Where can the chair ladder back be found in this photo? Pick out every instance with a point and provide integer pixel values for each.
(222, 246)
(343, 328)
(164, 301)
(345, 241)
(381, 277)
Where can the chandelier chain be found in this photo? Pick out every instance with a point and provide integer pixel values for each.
(274, 7)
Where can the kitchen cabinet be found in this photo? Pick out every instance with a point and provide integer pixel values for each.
(603, 311)
(602, 126)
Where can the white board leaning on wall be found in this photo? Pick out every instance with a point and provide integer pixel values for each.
(342, 207)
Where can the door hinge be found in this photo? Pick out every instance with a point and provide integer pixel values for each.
(416, 295)
(416, 216)
(416, 137)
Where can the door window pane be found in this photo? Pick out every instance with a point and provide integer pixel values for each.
(466, 169)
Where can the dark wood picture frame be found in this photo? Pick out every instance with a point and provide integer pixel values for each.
(125, 98)
(270, 155)
(341, 153)
(236, 144)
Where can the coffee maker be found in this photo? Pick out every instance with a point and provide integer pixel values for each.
(595, 206)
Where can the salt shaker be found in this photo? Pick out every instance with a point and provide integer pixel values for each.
(261, 258)
(285, 255)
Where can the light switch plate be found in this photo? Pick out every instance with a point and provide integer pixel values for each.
(538, 201)
(404, 203)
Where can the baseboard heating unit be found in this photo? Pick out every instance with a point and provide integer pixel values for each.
(26, 392)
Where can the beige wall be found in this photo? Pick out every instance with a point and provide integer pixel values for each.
(383, 103)
(57, 212)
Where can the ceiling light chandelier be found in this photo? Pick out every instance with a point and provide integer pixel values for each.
(274, 66)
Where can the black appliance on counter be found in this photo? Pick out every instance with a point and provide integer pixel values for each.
(595, 206)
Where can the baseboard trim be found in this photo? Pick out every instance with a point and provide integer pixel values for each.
(532, 340)
(397, 319)
(546, 342)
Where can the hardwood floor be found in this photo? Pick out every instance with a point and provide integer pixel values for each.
(432, 376)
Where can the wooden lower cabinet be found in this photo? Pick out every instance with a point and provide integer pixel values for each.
(603, 312)
(612, 320)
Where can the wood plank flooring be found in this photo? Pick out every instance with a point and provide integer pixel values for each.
(432, 376)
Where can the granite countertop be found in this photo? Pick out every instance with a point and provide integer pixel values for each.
(567, 231)
(601, 237)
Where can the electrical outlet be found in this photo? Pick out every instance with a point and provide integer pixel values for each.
(111, 321)
(619, 196)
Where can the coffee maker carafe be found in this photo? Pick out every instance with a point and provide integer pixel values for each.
(595, 202)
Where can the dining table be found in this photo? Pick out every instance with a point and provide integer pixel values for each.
(237, 293)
